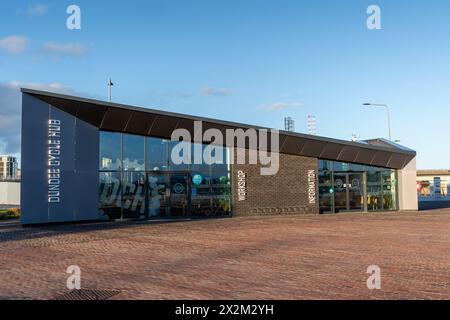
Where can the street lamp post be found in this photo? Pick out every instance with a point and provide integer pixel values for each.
(388, 114)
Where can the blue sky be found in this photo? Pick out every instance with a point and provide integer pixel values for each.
(253, 61)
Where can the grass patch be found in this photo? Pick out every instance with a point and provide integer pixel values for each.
(10, 214)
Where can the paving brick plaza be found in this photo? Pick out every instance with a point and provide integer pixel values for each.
(280, 257)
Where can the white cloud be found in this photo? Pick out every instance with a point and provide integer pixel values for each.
(13, 44)
(53, 87)
(176, 94)
(11, 110)
(220, 92)
(71, 49)
(37, 9)
(283, 105)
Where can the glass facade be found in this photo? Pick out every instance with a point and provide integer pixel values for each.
(346, 187)
(138, 179)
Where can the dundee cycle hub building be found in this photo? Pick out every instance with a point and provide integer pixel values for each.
(89, 160)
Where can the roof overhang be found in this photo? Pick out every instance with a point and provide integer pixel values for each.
(151, 122)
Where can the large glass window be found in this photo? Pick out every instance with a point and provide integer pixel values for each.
(388, 179)
(157, 154)
(110, 195)
(201, 193)
(354, 187)
(180, 158)
(326, 190)
(374, 193)
(139, 179)
(221, 190)
(158, 195)
(133, 153)
(133, 196)
(110, 151)
(202, 166)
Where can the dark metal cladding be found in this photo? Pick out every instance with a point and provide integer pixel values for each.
(135, 120)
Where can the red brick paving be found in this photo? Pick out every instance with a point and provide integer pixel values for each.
(285, 257)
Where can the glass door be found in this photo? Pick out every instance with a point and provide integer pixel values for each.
(179, 195)
(340, 192)
(168, 195)
(348, 192)
(355, 194)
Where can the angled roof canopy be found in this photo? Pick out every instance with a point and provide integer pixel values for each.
(150, 122)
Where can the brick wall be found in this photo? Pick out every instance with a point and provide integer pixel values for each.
(284, 193)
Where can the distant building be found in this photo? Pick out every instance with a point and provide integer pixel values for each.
(289, 124)
(8, 168)
(10, 193)
(433, 184)
(106, 162)
(312, 125)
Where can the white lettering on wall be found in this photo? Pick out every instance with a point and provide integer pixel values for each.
(312, 186)
(54, 161)
(242, 185)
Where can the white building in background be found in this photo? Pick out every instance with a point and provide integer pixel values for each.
(433, 184)
(8, 167)
(10, 193)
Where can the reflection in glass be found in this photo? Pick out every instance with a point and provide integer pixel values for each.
(323, 165)
(221, 193)
(178, 195)
(133, 153)
(389, 190)
(180, 160)
(201, 166)
(374, 201)
(340, 192)
(157, 154)
(326, 192)
(110, 151)
(146, 183)
(201, 202)
(158, 195)
(110, 195)
(133, 197)
(355, 187)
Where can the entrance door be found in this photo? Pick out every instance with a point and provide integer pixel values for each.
(179, 195)
(340, 192)
(348, 194)
(355, 194)
(168, 195)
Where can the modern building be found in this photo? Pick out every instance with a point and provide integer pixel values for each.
(91, 160)
(8, 167)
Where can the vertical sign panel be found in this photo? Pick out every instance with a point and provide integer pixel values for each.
(34, 159)
(63, 210)
(59, 165)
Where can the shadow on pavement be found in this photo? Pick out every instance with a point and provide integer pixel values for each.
(14, 231)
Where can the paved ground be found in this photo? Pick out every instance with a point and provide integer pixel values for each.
(309, 257)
